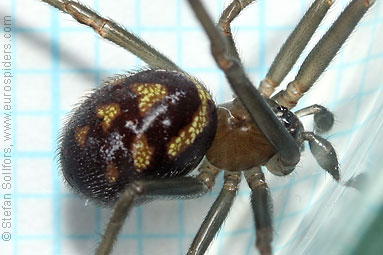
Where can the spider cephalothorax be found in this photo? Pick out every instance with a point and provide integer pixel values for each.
(239, 144)
(138, 136)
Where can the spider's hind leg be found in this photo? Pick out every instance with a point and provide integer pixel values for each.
(262, 209)
(216, 215)
(142, 190)
(110, 30)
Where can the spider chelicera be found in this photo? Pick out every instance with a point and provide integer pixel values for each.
(136, 138)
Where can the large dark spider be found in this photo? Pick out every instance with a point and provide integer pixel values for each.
(136, 138)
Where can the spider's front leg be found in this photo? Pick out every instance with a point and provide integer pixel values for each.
(313, 66)
(293, 46)
(323, 53)
(227, 16)
(255, 104)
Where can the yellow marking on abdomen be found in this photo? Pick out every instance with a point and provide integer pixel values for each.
(108, 112)
(81, 134)
(148, 95)
(188, 134)
(142, 152)
(112, 172)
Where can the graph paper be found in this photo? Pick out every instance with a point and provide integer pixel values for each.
(56, 61)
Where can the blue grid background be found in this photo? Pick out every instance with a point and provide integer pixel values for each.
(56, 61)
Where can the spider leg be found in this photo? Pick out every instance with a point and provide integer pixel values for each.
(323, 118)
(144, 190)
(255, 104)
(294, 46)
(227, 16)
(216, 215)
(113, 32)
(262, 209)
(322, 54)
(323, 152)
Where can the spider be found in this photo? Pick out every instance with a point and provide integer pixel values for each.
(136, 138)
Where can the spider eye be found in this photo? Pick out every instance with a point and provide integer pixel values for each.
(154, 123)
(288, 119)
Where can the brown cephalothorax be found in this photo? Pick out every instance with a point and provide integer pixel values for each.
(239, 144)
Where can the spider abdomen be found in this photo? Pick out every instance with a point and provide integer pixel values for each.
(152, 124)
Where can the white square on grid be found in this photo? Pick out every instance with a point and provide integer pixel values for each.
(160, 16)
(74, 53)
(33, 92)
(248, 47)
(78, 246)
(279, 196)
(34, 175)
(274, 41)
(372, 84)
(126, 246)
(188, 19)
(5, 7)
(376, 48)
(237, 243)
(240, 218)
(301, 195)
(351, 81)
(38, 138)
(131, 222)
(165, 42)
(193, 220)
(286, 231)
(211, 81)
(28, 10)
(123, 12)
(33, 217)
(64, 187)
(196, 51)
(74, 87)
(35, 247)
(285, 18)
(8, 247)
(357, 50)
(78, 218)
(33, 51)
(115, 57)
(367, 113)
(160, 246)
(248, 18)
(160, 217)
(324, 91)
